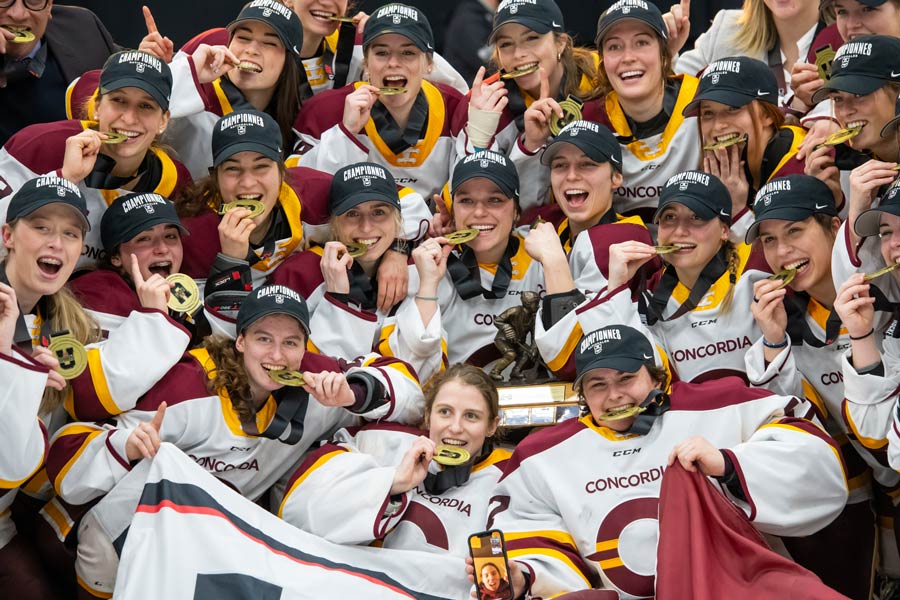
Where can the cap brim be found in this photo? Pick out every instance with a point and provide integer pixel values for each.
(288, 44)
(484, 175)
(42, 203)
(790, 213)
(271, 311)
(869, 222)
(861, 85)
(144, 226)
(622, 17)
(232, 149)
(532, 24)
(142, 84)
(358, 198)
(725, 96)
(589, 150)
(698, 208)
(420, 43)
(625, 364)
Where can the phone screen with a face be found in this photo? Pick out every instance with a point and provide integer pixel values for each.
(488, 551)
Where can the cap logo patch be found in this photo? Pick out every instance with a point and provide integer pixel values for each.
(367, 181)
(484, 163)
(683, 186)
(279, 299)
(714, 78)
(61, 192)
(270, 6)
(396, 19)
(145, 201)
(241, 129)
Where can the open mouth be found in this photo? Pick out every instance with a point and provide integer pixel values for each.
(273, 367)
(452, 442)
(482, 228)
(249, 66)
(162, 268)
(49, 266)
(683, 247)
(395, 81)
(798, 266)
(367, 242)
(576, 197)
(323, 15)
(129, 135)
(633, 75)
(522, 70)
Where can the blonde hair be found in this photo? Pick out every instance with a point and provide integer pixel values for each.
(756, 28)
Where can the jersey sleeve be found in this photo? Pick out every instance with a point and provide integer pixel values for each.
(869, 402)
(780, 376)
(415, 214)
(187, 95)
(23, 435)
(126, 365)
(534, 177)
(405, 403)
(342, 329)
(894, 439)
(336, 148)
(537, 536)
(341, 494)
(86, 460)
(791, 472)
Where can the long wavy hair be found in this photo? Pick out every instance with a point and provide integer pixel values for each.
(230, 375)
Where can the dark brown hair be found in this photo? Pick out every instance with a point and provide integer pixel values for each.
(469, 375)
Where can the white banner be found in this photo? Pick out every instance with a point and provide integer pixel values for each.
(192, 537)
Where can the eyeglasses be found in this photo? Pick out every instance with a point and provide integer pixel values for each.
(32, 5)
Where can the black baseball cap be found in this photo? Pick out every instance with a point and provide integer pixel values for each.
(863, 65)
(631, 9)
(277, 16)
(272, 300)
(401, 19)
(596, 141)
(246, 131)
(539, 16)
(791, 198)
(131, 214)
(735, 81)
(701, 192)
(41, 191)
(871, 2)
(490, 165)
(616, 347)
(361, 182)
(133, 68)
(869, 221)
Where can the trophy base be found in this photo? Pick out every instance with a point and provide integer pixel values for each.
(537, 405)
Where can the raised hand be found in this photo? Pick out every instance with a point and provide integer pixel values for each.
(211, 62)
(678, 22)
(144, 440)
(538, 115)
(330, 388)
(9, 315)
(154, 43)
(234, 233)
(358, 107)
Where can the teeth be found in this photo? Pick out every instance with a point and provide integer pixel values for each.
(727, 136)
(631, 74)
(368, 241)
(526, 66)
(246, 65)
(854, 124)
(575, 192)
(51, 261)
(394, 79)
(482, 227)
(321, 14)
(683, 245)
(451, 442)
(249, 196)
(273, 367)
(796, 264)
(161, 265)
(128, 134)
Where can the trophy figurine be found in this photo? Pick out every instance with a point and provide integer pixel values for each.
(514, 327)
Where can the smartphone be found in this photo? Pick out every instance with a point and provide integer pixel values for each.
(488, 551)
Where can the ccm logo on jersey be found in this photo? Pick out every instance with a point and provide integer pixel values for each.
(626, 452)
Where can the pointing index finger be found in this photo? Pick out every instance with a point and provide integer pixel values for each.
(545, 84)
(136, 271)
(148, 19)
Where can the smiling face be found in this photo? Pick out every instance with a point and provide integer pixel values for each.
(479, 204)
(250, 176)
(699, 240)
(134, 113)
(607, 389)
(374, 223)
(460, 416)
(392, 60)
(259, 49)
(802, 245)
(314, 15)
(632, 60)
(582, 187)
(34, 21)
(490, 577)
(854, 19)
(43, 249)
(872, 112)
(519, 47)
(157, 249)
(889, 235)
(719, 122)
(272, 343)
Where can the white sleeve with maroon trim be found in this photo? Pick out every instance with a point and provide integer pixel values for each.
(869, 403)
(24, 438)
(502, 142)
(790, 470)
(95, 460)
(341, 494)
(415, 214)
(781, 376)
(186, 98)
(126, 365)
(894, 439)
(337, 149)
(343, 330)
(534, 177)
(406, 404)
(740, 224)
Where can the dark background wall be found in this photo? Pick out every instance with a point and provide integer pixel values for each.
(181, 19)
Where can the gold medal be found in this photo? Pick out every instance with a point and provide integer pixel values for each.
(255, 207)
(666, 249)
(356, 249)
(726, 143)
(824, 57)
(785, 277)
(391, 91)
(113, 137)
(341, 19)
(287, 377)
(537, 222)
(880, 272)
(571, 108)
(621, 413)
(184, 297)
(70, 353)
(451, 456)
(520, 72)
(462, 236)
(247, 66)
(23, 36)
(840, 136)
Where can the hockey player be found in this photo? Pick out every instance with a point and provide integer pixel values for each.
(510, 112)
(736, 103)
(133, 105)
(800, 352)
(380, 482)
(397, 119)
(580, 524)
(221, 405)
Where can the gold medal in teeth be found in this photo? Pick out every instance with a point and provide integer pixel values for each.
(287, 377)
(113, 137)
(255, 207)
(451, 456)
(462, 236)
(520, 72)
(666, 249)
(621, 413)
(840, 136)
(726, 143)
(23, 36)
(356, 249)
(341, 19)
(880, 272)
(785, 276)
(391, 90)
